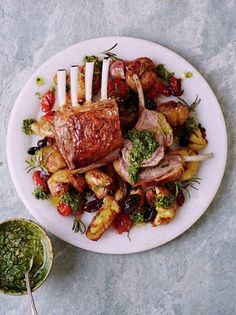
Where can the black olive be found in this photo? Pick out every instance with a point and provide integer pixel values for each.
(150, 213)
(132, 203)
(32, 150)
(93, 205)
(150, 104)
(42, 143)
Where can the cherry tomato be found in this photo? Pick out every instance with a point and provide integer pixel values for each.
(49, 116)
(47, 101)
(39, 181)
(117, 88)
(175, 86)
(151, 94)
(64, 209)
(162, 88)
(122, 223)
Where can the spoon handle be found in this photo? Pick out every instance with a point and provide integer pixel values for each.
(30, 295)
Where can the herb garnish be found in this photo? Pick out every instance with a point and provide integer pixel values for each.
(40, 96)
(163, 73)
(26, 126)
(143, 146)
(193, 106)
(40, 193)
(137, 217)
(183, 185)
(37, 161)
(165, 201)
(78, 226)
(188, 74)
(73, 199)
(109, 54)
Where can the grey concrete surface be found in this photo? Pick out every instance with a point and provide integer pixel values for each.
(192, 275)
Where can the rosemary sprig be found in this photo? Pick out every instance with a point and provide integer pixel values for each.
(184, 185)
(37, 162)
(110, 54)
(193, 106)
(78, 226)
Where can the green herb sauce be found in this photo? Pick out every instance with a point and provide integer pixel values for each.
(143, 146)
(165, 201)
(163, 73)
(19, 242)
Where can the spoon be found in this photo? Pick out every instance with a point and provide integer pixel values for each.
(30, 295)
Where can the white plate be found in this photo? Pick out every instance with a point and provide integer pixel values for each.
(142, 238)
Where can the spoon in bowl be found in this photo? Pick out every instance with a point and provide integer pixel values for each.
(30, 295)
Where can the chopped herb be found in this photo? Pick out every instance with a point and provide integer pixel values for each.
(72, 199)
(40, 193)
(40, 96)
(26, 126)
(188, 74)
(137, 217)
(78, 226)
(39, 81)
(143, 146)
(165, 201)
(191, 124)
(163, 73)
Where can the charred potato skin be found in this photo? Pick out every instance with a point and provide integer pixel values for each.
(60, 182)
(145, 70)
(175, 113)
(103, 219)
(190, 168)
(98, 182)
(164, 215)
(197, 140)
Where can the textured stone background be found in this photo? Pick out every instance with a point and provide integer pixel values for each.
(194, 274)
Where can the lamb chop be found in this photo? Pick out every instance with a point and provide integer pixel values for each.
(88, 135)
(160, 168)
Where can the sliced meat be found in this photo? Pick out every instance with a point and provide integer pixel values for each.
(87, 134)
(169, 169)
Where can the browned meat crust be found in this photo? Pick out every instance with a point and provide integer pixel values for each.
(87, 134)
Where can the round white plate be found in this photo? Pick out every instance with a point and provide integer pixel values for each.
(142, 238)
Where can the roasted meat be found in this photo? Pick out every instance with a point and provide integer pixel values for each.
(87, 134)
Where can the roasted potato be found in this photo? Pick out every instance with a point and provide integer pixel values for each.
(190, 168)
(60, 182)
(144, 68)
(50, 159)
(175, 113)
(98, 182)
(121, 192)
(42, 128)
(197, 140)
(166, 206)
(103, 219)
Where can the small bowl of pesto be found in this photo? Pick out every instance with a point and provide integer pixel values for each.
(22, 241)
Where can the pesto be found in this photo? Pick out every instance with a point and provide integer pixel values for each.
(143, 146)
(165, 201)
(26, 126)
(19, 243)
(188, 74)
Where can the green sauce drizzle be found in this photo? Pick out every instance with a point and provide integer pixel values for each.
(143, 146)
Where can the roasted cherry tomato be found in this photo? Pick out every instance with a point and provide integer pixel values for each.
(47, 101)
(117, 88)
(49, 116)
(175, 86)
(162, 88)
(39, 181)
(122, 223)
(64, 209)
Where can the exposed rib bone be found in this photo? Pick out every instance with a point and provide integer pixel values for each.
(105, 71)
(89, 68)
(61, 87)
(74, 72)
